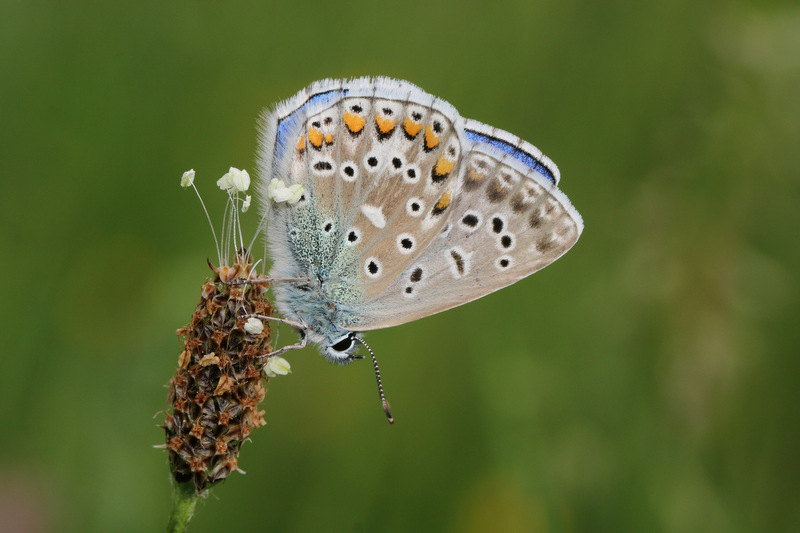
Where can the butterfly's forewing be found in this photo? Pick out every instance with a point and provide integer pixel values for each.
(379, 155)
(507, 220)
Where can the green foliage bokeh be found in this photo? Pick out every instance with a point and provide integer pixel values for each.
(647, 381)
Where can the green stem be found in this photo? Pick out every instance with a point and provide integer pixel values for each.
(185, 500)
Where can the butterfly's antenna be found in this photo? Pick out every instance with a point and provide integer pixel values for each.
(384, 402)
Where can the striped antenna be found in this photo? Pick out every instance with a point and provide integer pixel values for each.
(384, 402)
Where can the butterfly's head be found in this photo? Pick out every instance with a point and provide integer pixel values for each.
(342, 350)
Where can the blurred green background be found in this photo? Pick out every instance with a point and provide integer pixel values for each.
(648, 381)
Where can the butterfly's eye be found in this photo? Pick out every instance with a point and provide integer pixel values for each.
(344, 344)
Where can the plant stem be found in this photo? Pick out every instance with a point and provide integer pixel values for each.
(185, 499)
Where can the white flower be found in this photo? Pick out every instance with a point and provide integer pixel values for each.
(187, 179)
(234, 181)
(297, 193)
(274, 185)
(277, 366)
(254, 326)
(224, 182)
(246, 204)
(279, 192)
(240, 179)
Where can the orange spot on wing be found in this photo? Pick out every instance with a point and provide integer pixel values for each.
(385, 125)
(431, 139)
(301, 143)
(444, 202)
(443, 166)
(315, 137)
(354, 122)
(411, 127)
(328, 138)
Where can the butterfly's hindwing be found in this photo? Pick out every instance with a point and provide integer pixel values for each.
(507, 221)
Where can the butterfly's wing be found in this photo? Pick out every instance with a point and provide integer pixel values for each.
(507, 220)
(402, 200)
(374, 156)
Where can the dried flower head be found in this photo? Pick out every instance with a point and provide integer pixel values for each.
(217, 387)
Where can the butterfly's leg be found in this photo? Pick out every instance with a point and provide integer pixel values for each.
(279, 351)
(296, 325)
(299, 326)
(249, 281)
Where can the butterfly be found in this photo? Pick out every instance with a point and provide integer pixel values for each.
(402, 209)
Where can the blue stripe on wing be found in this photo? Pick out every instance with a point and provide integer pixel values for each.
(508, 148)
